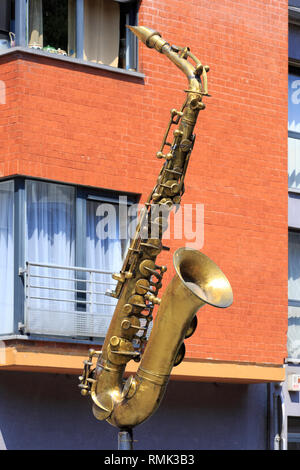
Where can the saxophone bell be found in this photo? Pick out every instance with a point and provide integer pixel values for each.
(202, 277)
(198, 281)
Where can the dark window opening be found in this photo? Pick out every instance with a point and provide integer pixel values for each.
(55, 24)
(293, 433)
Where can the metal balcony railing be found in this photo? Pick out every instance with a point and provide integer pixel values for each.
(67, 300)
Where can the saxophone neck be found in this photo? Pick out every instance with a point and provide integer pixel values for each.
(195, 73)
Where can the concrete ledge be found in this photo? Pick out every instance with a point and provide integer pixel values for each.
(66, 361)
(70, 60)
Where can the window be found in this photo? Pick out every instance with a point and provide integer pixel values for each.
(293, 343)
(294, 130)
(293, 433)
(49, 242)
(294, 295)
(92, 30)
(67, 241)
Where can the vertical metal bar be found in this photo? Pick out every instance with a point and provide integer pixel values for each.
(125, 440)
(91, 318)
(131, 41)
(284, 430)
(80, 247)
(20, 22)
(79, 28)
(91, 293)
(27, 293)
(128, 42)
(19, 251)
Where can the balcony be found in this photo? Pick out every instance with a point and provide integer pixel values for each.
(67, 301)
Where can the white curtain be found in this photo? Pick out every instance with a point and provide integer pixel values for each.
(294, 296)
(103, 251)
(50, 239)
(72, 28)
(6, 257)
(101, 31)
(35, 24)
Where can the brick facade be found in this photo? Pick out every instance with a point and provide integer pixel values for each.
(81, 125)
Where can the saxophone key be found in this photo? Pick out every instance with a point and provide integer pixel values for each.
(167, 156)
(166, 202)
(177, 133)
(156, 196)
(137, 301)
(127, 309)
(118, 277)
(132, 324)
(174, 112)
(152, 246)
(146, 267)
(172, 187)
(142, 286)
(186, 145)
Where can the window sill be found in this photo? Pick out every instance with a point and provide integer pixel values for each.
(62, 58)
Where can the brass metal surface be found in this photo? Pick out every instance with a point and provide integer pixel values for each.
(198, 281)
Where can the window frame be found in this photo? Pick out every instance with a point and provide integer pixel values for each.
(82, 196)
(21, 15)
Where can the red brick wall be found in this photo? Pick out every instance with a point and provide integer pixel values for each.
(86, 126)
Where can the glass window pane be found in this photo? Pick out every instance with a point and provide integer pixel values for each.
(294, 295)
(294, 266)
(294, 128)
(293, 433)
(50, 240)
(51, 25)
(294, 103)
(6, 257)
(294, 163)
(50, 210)
(102, 32)
(104, 248)
(294, 37)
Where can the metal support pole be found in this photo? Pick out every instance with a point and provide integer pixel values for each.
(79, 28)
(125, 440)
(20, 22)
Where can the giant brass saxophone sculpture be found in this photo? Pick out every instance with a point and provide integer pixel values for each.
(198, 281)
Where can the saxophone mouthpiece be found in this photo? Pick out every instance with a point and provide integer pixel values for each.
(148, 36)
